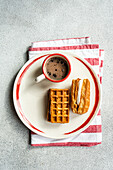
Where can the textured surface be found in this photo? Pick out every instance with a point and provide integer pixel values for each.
(58, 110)
(24, 21)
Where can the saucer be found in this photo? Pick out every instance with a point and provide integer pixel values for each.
(30, 99)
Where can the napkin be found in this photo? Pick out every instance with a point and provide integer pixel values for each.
(94, 55)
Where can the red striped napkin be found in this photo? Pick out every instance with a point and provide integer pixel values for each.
(90, 52)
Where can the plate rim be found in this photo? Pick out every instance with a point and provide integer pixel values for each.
(39, 56)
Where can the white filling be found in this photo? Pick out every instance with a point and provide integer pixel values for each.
(79, 91)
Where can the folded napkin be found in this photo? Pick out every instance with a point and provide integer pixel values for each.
(90, 52)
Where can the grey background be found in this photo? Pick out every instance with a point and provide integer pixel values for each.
(25, 21)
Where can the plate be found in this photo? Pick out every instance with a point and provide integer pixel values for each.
(30, 99)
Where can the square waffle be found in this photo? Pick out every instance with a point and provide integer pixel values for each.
(58, 106)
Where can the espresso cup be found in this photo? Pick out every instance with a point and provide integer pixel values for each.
(56, 68)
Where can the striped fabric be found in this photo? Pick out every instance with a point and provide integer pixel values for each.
(90, 52)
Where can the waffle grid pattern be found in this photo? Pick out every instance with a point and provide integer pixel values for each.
(59, 105)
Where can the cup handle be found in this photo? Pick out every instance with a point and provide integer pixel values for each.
(39, 78)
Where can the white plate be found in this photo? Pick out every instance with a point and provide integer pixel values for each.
(30, 99)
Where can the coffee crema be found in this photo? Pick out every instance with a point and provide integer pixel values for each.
(57, 68)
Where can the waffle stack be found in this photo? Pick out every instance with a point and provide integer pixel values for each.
(83, 106)
(58, 106)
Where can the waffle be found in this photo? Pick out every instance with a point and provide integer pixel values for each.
(84, 103)
(58, 106)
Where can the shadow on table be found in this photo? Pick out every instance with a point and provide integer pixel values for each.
(26, 54)
(10, 90)
(9, 99)
(9, 105)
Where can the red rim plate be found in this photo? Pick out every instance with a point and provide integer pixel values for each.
(17, 101)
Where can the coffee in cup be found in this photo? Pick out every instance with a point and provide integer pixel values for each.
(56, 68)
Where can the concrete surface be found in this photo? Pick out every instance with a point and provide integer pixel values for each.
(24, 21)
